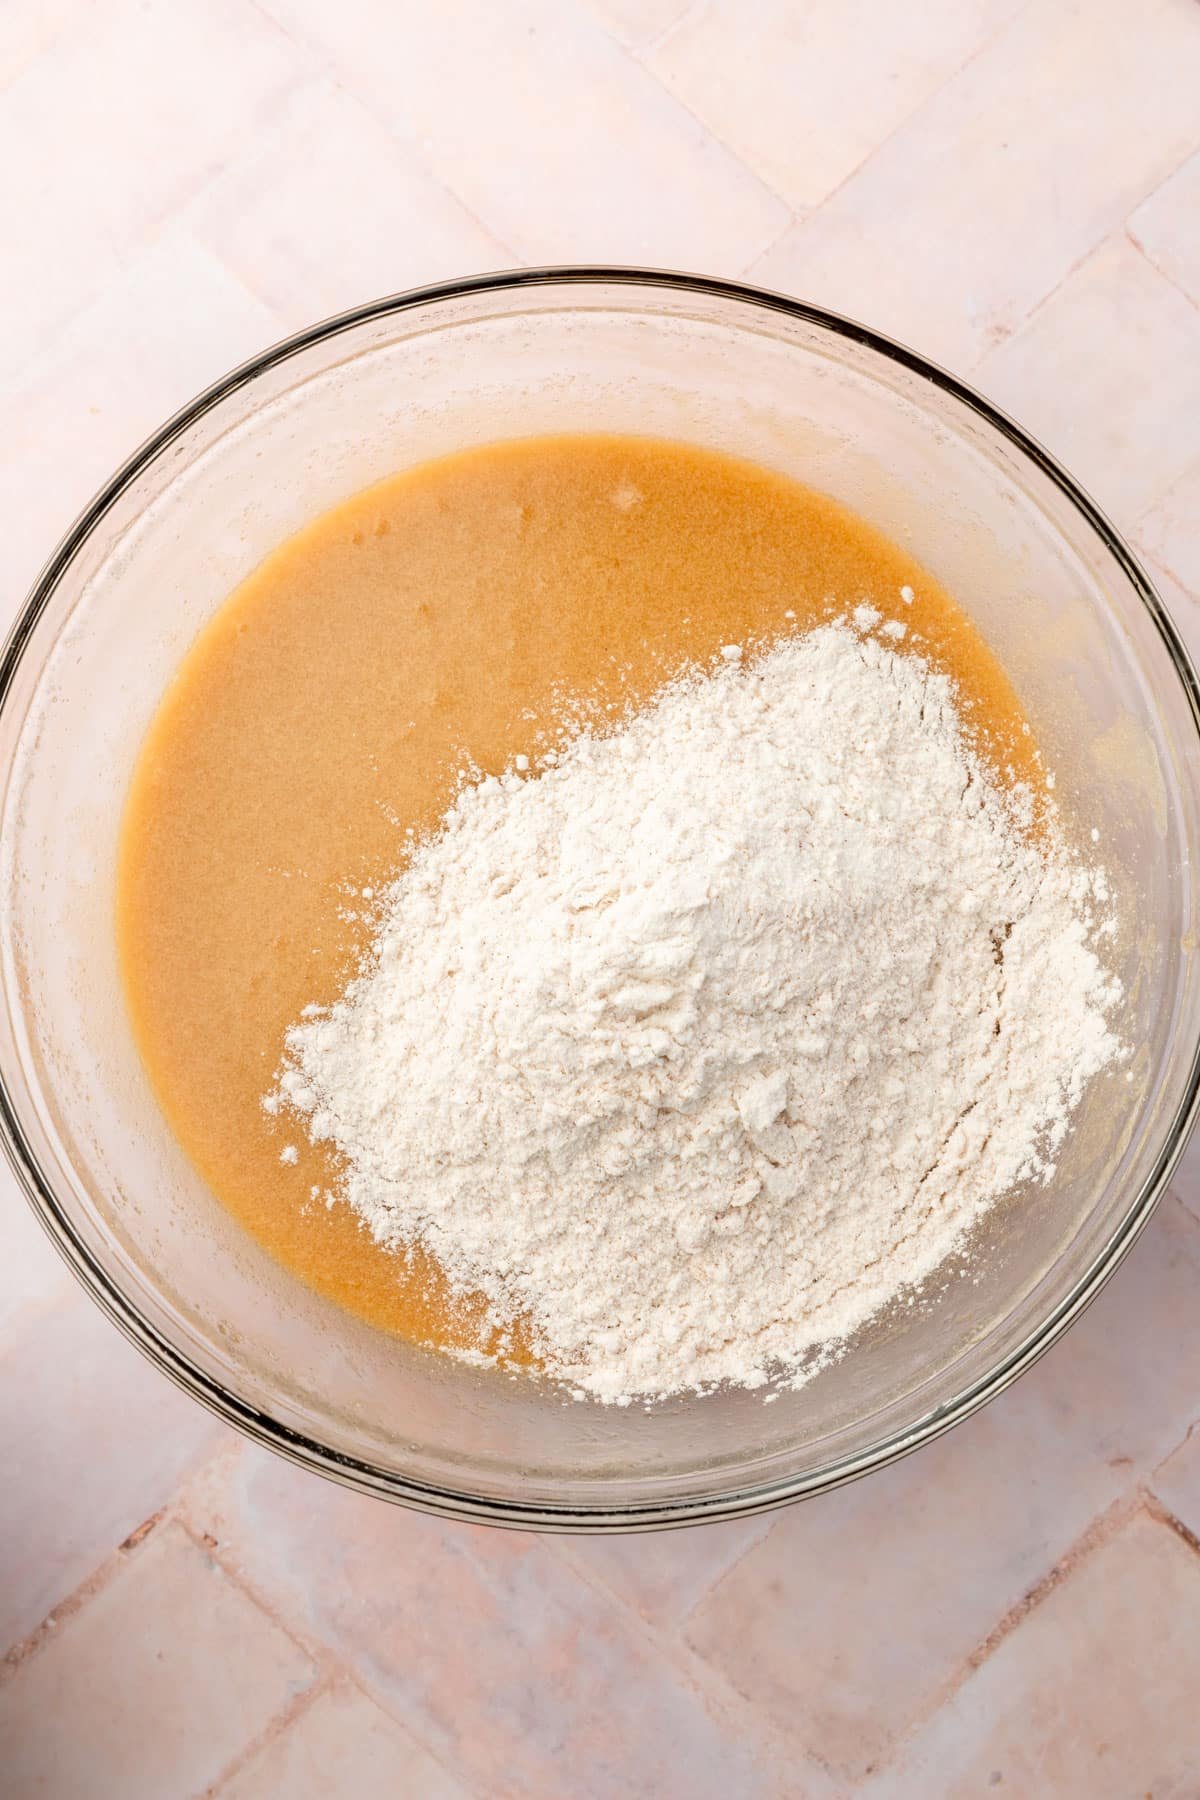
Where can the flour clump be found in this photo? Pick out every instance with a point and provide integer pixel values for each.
(700, 1045)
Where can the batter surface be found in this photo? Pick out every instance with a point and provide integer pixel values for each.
(450, 618)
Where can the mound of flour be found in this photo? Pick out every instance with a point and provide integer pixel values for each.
(705, 1042)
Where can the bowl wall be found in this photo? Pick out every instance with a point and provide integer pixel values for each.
(1100, 672)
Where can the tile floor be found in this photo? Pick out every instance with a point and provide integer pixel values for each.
(1013, 186)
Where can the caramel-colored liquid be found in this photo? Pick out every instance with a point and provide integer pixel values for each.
(438, 620)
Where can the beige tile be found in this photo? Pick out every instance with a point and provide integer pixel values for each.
(1167, 226)
(173, 321)
(638, 22)
(1170, 531)
(489, 1646)
(1093, 1694)
(325, 209)
(664, 1574)
(805, 93)
(32, 1273)
(137, 106)
(1177, 1481)
(151, 1689)
(96, 1440)
(977, 208)
(342, 1744)
(857, 1609)
(547, 129)
(1107, 375)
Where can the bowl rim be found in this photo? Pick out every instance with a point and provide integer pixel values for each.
(370, 1478)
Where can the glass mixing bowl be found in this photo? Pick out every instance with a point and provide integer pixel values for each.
(1097, 664)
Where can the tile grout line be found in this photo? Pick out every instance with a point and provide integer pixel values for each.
(312, 1645)
(332, 1665)
(155, 236)
(75, 1602)
(1113, 235)
(98, 1578)
(563, 1548)
(352, 1679)
(629, 55)
(322, 70)
(673, 1651)
(1173, 1451)
(1157, 1509)
(687, 12)
(161, 218)
(1190, 1219)
(802, 217)
(1192, 468)
(1101, 1530)
(412, 148)
(672, 1648)
(795, 220)
(1153, 193)
(715, 1587)
(331, 1669)
(331, 69)
(708, 131)
(635, 56)
(208, 1546)
(1159, 562)
(1152, 263)
(1116, 234)
(276, 1726)
(1103, 1527)
(170, 210)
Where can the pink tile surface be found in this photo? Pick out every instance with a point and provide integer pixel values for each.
(1107, 374)
(1165, 227)
(852, 1616)
(151, 1689)
(1011, 187)
(982, 202)
(663, 1575)
(638, 22)
(95, 1442)
(175, 318)
(1094, 1695)
(487, 1644)
(131, 78)
(622, 172)
(255, 216)
(785, 113)
(342, 1743)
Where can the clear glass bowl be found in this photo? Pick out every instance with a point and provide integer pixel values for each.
(1097, 663)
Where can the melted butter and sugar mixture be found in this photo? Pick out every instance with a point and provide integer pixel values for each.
(448, 619)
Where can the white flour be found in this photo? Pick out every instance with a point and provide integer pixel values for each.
(701, 1045)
